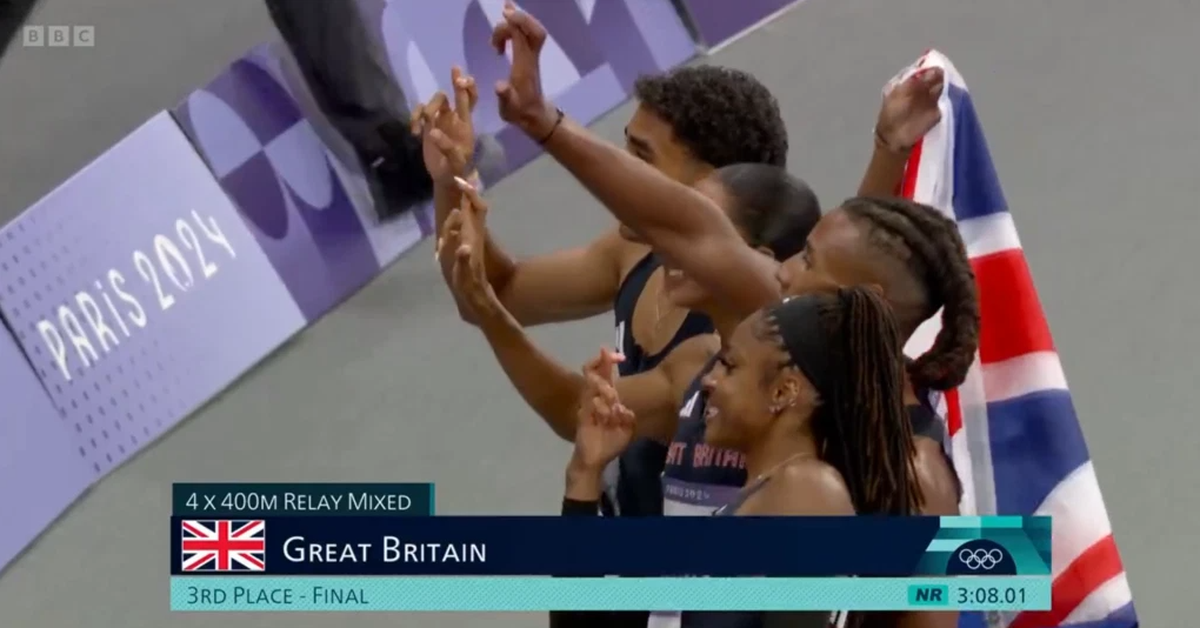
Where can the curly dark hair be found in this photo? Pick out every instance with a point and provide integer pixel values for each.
(722, 115)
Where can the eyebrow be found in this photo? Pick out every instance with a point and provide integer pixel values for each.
(637, 142)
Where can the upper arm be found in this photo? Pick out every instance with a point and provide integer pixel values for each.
(727, 267)
(566, 285)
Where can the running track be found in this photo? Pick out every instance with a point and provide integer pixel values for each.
(1090, 112)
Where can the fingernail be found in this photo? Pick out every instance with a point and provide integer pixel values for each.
(462, 183)
(462, 82)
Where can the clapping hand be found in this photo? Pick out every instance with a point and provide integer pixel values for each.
(910, 110)
(606, 426)
(448, 135)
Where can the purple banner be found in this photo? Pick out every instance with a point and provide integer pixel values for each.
(307, 207)
(40, 472)
(300, 187)
(595, 51)
(138, 293)
(718, 21)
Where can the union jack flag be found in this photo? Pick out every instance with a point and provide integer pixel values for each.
(1013, 435)
(224, 545)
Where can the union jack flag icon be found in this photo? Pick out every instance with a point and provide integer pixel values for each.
(224, 545)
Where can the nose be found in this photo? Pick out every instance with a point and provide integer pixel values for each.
(708, 383)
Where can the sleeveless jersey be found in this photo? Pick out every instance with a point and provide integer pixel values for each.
(745, 619)
(632, 482)
(698, 478)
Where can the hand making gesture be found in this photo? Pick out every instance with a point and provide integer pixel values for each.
(522, 102)
(448, 135)
(465, 239)
(606, 426)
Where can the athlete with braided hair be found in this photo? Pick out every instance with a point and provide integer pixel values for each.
(810, 391)
(705, 249)
(916, 254)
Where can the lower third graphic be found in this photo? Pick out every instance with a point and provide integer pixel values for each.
(224, 545)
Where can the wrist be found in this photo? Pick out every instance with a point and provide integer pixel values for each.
(541, 124)
(584, 480)
(886, 143)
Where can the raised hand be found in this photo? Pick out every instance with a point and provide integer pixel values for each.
(606, 426)
(448, 135)
(465, 238)
(522, 102)
(910, 110)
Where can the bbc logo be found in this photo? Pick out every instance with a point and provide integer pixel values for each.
(59, 36)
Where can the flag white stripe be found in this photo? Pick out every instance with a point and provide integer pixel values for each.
(1023, 375)
(1079, 518)
(989, 234)
(1099, 603)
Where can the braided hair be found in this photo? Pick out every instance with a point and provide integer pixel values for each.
(860, 426)
(928, 244)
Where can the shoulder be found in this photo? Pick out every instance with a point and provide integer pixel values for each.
(939, 485)
(807, 487)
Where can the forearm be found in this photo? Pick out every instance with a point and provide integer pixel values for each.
(634, 192)
(885, 172)
(552, 390)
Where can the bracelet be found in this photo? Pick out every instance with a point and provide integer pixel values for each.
(881, 142)
(559, 115)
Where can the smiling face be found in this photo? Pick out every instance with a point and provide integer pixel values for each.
(750, 386)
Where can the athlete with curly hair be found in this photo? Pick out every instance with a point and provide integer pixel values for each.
(689, 123)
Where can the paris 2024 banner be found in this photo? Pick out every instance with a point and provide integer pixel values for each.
(152, 279)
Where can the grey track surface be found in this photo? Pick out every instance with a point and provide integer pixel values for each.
(1090, 113)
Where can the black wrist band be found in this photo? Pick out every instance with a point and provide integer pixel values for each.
(576, 508)
(558, 118)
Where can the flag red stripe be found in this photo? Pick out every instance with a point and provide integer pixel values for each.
(232, 545)
(954, 420)
(908, 186)
(1095, 566)
(1012, 321)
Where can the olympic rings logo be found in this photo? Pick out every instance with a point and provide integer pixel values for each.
(980, 559)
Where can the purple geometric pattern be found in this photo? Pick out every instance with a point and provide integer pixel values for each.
(138, 294)
(141, 287)
(270, 161)
(595, 52)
